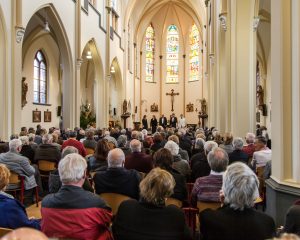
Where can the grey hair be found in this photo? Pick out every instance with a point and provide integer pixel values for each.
(31, 137)
(145, 132)
(250, 138)
(68, 150)
(209, 145)
(123, 131)
(238, 143)
(172, 147)
(106, 133)
(72, 168)
(218, 159)
(24, 140)
(115, 158)
(14, 144)
(47, 138)
(122, 140)
(135, 135)
(199, 143)
(135, 145)
(240, 186)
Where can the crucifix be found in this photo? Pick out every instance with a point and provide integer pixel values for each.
(172, 94)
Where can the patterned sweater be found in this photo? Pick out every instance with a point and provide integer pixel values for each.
(207, 189)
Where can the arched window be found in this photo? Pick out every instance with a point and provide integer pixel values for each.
(172, 54)
(40, 78)
(150, 50)
(194, 54)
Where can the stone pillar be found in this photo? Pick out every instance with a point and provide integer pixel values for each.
(243, 64)
(16, 65)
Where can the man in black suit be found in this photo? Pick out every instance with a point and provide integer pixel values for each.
(163, 121)
(173, 121)
(117, 179)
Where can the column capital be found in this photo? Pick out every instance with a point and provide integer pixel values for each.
(20, 31)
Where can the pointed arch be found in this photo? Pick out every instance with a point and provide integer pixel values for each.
(40, 78)
(150, 52)
(172, 54)
(194, 58)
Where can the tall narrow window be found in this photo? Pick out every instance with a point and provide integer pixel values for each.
(172, 54)
(40, 78)
(150, 50)
(194, 54)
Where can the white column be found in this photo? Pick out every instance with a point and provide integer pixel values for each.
(281, 89)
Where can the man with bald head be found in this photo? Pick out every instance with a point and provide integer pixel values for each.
(117, 179)
(137, 159)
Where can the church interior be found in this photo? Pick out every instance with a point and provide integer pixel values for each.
(229, 66)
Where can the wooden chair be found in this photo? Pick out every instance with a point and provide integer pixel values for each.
(262, 187)
(4, 231)
(173, 201)
(189, 187)
(191, 218)
(89, 151)
(114, 200)
(18, 181)
(204, 205)
(46, 166)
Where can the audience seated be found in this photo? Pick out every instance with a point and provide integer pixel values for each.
(199, 163)
(122, 143)
(237, 219)
(227, 145)
(157, 140)
(184, 141)
(99, 159)
(90, 142)
(250, 147)
(47, 151)
(137, 159)
(183, 153)
(73, 212)
(54, 179)
(198, 146)
(164, 160)
(110, 138)
(19, 164)
(25, 234)
(179, 164)
(292, 219)
(150, 218)
(238, 154)
(207, 188)
(74, 143)
(13, 214)
(27, 150)
(262, 154)
(117, 179)
(288, 236)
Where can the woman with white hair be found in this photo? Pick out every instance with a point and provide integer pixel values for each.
(238, 155)
(179, 164)
(237, 219)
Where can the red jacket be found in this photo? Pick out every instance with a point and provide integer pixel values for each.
(77, 214)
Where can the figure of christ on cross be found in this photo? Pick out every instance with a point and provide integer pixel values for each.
(172, 94)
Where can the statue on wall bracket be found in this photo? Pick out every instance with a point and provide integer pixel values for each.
(260, 100)
(190, 107)
(24, 91)
(154, 107)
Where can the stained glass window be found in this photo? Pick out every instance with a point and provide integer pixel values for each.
(194, 54)
(172, 54)
(40, 78)
(150, 50)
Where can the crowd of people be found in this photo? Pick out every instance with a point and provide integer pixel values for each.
(148, 167)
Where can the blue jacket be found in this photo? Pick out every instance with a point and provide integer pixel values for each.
(13, 214)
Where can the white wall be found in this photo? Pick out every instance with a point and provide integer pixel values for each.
(51, 52)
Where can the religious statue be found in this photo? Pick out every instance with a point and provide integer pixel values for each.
(203, 106)
(24, 91)
(259, 96)
(124, 106)
(154, 107)
(190, 107)
(172, 94)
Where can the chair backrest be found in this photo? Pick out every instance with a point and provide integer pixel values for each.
(14, 178)
(46, 166)
(114, 200)
(89, 151)
(4, 231)
(260, 171)
(174, 201)
(204, 205)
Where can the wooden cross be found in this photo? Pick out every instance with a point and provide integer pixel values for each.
(172, 94)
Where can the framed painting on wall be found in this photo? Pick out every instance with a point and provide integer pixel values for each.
(36, 116)
(47, 116)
